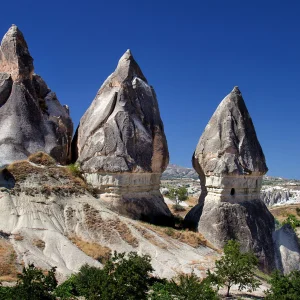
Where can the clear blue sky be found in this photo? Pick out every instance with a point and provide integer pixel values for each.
(192, 52)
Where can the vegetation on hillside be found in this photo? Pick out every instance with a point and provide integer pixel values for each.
(236, 268)
(178, 195)
(52, 178)
(129, 276)
(32, 284)
(292, 220)
(285, 287)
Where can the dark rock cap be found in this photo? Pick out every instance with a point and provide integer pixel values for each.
(229, 145)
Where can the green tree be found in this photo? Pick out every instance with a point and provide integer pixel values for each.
(32, 284)
(178, 194)
(129, 276)
(236, 268)
(67, 290)
(292, 220)
(284, 287)
(184, 287)
(123, 277)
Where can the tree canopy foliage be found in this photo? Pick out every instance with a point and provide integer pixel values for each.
(32, 284)
(236, 268)
(284, 287)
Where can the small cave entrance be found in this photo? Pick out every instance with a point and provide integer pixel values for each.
(232, 192)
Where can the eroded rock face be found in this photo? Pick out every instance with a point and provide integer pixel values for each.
(230, 164)
(48, 210)
(121, 144)
(31, 117)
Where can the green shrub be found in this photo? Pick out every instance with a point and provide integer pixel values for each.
(67, 289)
(183, 287)
(277, 224)
(123, 277)
(292, 220)
(178, 194)
(75, 169)
(178, 207)
(284, 287)
(32, 284)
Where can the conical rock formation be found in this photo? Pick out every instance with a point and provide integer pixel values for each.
(230, 164)
(121, 144)
(31, 117)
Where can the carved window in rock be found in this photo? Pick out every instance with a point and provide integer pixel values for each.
(232, 192)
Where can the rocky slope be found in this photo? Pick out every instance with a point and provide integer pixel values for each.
(46, 211)
(121, 144)
(31, 117)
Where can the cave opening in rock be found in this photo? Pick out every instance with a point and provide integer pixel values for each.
(232, 192)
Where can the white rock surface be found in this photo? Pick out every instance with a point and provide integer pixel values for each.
(28, 214)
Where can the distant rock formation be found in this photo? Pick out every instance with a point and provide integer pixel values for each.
(287, 249)
(121, 144)
(272, 196)
(279, 195)
(230, 164)
(176, 172)
(31, 117)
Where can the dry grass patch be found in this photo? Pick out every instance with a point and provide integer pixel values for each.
(94, 250)
(281, 212)
(194, 239)
(8, 261)
(124, 232)
(108, 227)
(39, 243)
(18, 237)
(42, 158)
(150, 237)
(53, 179)
(22, 169)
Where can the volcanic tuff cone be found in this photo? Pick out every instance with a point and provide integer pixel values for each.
(31, 117)
(121, 144)
(231, 163)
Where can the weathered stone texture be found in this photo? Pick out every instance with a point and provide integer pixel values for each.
(229, 145)
(121, 143)
(230, 164)
(31, 117)
(122, 130)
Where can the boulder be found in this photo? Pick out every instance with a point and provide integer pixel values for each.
(31, 117)
(287, 249)
(121, 144)
(230, 164)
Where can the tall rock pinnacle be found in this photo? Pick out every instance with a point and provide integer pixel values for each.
(15, 58)
(121, 143)
(229, 145)
(31, 117)
(230, 164)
